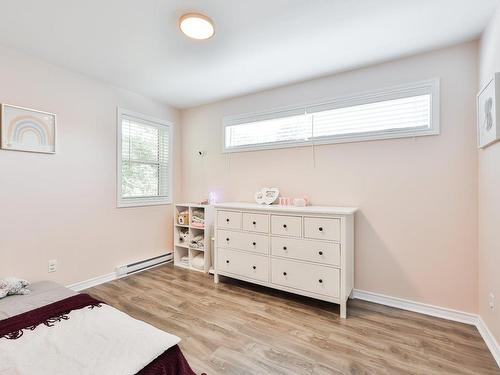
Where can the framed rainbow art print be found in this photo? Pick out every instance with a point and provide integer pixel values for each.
(24, 129)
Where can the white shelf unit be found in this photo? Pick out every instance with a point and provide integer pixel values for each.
(189, 230)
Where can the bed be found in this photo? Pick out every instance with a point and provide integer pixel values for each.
(54, 330)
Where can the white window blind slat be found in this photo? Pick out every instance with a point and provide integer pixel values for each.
(294, 128)
(408, 111)
(404, 113)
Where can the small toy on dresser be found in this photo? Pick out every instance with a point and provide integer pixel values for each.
(267, 195)
(183, 218)
(297, 202)
(12, 285)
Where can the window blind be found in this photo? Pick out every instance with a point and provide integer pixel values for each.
(283, 129)
(406, 111)
(145, 161)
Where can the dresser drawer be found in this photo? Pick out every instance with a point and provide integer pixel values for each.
(313, 251)
(257, 243)
(322, 228)
(243, 264)
(286, 225)
(229, 219)
(307, 277)
(256, 222)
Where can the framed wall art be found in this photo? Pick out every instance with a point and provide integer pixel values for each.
(488, 116)
(24, 129)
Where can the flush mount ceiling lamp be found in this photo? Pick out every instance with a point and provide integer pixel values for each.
(197, 26)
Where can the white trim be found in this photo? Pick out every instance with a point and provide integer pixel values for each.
(92, 282)
(148, 201)
(418, 307)
(489, 339)
(436, 311)
(98, 280)
(431, 86)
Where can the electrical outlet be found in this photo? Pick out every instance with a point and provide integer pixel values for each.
(53, 265)
(492, 301)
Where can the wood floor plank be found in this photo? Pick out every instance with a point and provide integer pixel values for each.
(235, 328)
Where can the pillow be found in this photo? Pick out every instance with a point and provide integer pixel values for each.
(12, 285)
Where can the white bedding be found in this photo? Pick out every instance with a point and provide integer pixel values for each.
(42, 293)
(102, 340)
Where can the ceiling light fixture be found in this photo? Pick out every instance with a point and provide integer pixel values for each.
(196, 26)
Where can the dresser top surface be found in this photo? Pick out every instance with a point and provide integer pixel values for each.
(277, 208)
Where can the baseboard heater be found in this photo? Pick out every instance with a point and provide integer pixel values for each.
(143, 264)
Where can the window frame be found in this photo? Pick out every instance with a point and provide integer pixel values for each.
(431, 87)
(141, 201)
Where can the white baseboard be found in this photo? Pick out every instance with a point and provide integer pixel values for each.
(422, 308)
(77, 287)
(436, 311)
(489, 339)
(82, 285)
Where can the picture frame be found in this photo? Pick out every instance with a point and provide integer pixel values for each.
(488, 113)
(25, 129)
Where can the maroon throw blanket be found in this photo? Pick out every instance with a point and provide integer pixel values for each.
(171, 362)
(13, 327)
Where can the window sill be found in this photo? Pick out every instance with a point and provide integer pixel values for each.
(348, 138)
(141, 203)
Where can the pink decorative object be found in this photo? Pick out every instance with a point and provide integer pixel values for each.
(299, 202)
(285, 201)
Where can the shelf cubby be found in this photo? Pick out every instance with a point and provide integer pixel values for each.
(196, 219)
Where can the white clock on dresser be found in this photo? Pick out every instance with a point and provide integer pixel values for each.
(302, 250)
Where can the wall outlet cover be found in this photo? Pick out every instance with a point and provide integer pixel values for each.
(52, 266)
(492, 301)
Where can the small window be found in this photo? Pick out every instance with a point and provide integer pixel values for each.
(144, 151)
(408, 111)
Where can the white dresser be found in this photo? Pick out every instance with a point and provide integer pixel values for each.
(302, 250)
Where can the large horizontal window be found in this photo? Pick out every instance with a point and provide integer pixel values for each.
(408, 111)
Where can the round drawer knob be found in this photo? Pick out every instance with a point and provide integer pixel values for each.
(284, 273)
(320, 252)
(227, 261)
(320, 229)
(254, 222)
(320, 281)
(254, 243)
(227, 239)
(284, 226)
(227, 220)
(254, 267)
(284, 248)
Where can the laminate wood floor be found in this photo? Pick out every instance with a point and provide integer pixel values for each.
(239, 328)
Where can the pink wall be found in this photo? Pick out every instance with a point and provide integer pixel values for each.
(416, 233)
(63, 206)
(489, 193)
(417, 230)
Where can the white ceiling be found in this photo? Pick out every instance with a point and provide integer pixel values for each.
(259, 44)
